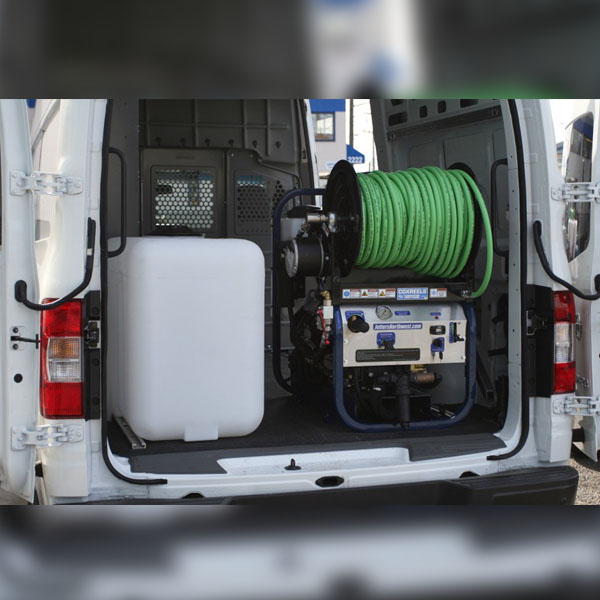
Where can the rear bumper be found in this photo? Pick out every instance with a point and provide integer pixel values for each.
(544, 485)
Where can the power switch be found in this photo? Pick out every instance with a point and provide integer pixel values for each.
(437, 329)
(437, 347)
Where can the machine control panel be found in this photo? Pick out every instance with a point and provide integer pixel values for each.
(411, 334)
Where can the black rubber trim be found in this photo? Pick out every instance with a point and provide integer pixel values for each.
(523, 284)
(103, 322)
(92, 360)
(539, 246)
(303, 114)
(21, 286)
(123, 244)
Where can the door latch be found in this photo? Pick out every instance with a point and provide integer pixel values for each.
(16, 339)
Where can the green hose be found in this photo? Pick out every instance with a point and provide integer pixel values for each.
(422, 219)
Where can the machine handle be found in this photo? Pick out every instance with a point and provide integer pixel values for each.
(493, 207)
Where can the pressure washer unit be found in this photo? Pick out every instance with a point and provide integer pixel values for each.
(391, 311)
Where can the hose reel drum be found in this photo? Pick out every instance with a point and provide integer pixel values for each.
(421, 219)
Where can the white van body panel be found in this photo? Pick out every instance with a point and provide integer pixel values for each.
(552, 432)
(77, 150)
(18, 399)
(584, 268)
(313, 151)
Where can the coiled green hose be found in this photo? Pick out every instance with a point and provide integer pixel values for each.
(422, 219)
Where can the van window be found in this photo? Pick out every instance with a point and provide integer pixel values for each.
(324, 126)
(577, 166)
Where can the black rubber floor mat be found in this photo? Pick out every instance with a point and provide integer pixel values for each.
(206, 461)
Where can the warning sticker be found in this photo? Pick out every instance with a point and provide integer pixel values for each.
(391, 326)
(351, 293)
(415, 293)
(369, 293)
(438, 293)
(387, 293)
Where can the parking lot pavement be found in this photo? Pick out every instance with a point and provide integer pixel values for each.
(6, 498)
(588, 491)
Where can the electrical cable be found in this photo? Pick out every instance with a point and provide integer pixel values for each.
(422, 219)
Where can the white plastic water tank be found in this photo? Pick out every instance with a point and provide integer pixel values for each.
(186, 337)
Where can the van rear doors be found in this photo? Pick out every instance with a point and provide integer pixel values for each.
(19, 326)
(581, 163)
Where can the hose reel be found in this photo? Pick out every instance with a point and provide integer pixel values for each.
(423, 219)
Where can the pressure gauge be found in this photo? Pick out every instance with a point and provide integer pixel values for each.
(383, 312)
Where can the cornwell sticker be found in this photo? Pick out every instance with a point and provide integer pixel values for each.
(392, 326)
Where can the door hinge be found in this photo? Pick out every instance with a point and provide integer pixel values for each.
(45, 436)
(47, 184)
(578, 191)
(579, 406)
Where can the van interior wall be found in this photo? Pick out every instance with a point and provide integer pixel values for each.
(267, 133)
(466, 134)
(255, 150)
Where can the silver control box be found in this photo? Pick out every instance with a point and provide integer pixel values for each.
(401, 334)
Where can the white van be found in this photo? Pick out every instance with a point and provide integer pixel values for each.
(135, 317)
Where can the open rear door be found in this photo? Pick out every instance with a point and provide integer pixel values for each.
(581, 163)
(19, 357)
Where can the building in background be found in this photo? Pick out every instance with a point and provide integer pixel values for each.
(329, 123)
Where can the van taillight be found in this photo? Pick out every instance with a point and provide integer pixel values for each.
(61, 361)
(564, 343)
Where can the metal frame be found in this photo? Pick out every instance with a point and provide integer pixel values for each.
(338, 374)
(338, 383)
(276, 264)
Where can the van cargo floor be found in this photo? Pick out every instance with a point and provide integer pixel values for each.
(293, 427)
